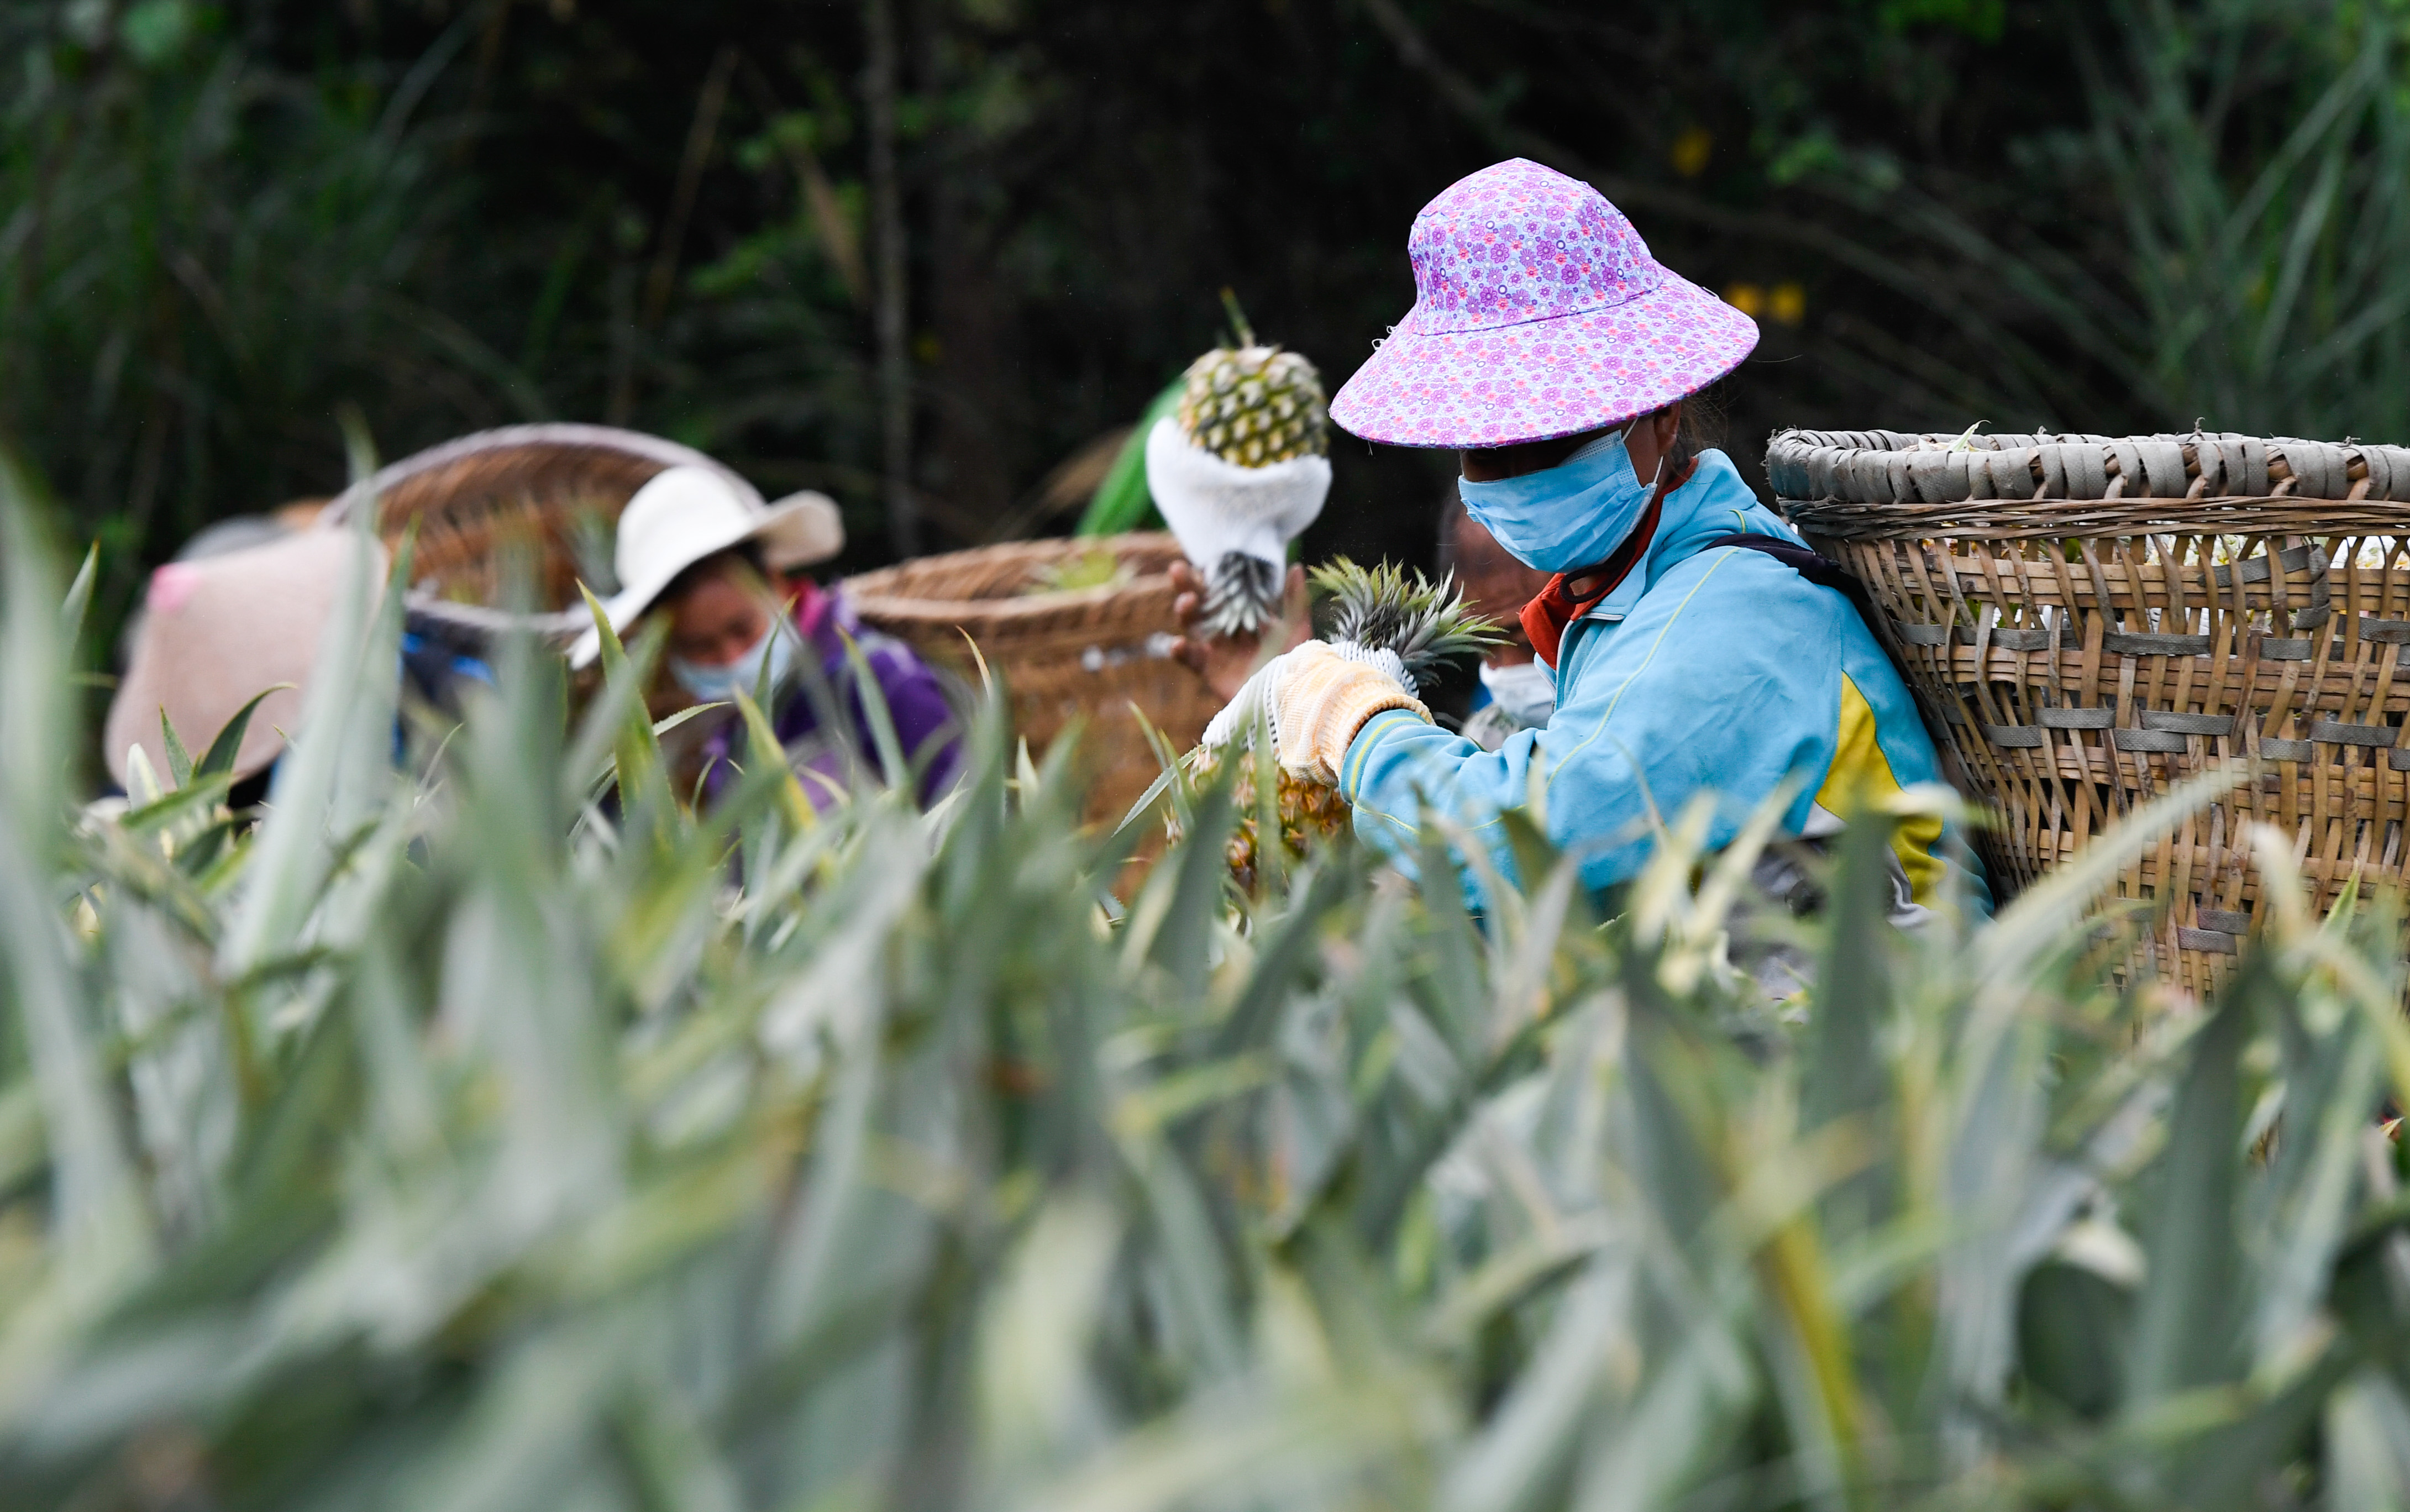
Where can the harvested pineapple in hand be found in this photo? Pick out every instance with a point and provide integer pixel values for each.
(1238, 471)
(1406, 627)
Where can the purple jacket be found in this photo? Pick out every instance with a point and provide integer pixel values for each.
(916, 701)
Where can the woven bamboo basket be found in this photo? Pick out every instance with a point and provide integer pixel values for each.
(2087, 620)
(552, 491)
(1087, 655)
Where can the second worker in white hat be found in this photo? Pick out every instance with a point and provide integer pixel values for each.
(721, 571)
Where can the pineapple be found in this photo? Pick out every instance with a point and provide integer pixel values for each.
(1253, 406)
(1384, 608)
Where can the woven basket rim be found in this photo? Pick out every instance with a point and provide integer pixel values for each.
(1097, 615)
(1881, 483)
(562, 436)
(1130, 542)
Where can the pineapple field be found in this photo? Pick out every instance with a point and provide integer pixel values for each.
(453, 1138)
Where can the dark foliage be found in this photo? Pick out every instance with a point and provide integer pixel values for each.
(227, 222)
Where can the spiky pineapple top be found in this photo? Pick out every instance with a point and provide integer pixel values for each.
(1253, 405)
(1425, 623)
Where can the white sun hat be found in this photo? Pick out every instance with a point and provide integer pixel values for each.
(687, 514)
(795, 547)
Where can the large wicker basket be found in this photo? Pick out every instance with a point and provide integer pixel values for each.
(2088, 619)
(553, 491)
(1087, 654)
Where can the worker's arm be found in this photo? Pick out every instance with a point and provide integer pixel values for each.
(1723, 679)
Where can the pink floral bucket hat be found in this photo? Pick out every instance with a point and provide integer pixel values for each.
(1538, 313)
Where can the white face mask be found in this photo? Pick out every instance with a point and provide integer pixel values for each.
(1525, 691)
(721, 684)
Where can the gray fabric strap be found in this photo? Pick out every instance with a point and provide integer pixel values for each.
(2159, 740)
(2256, 569)
(2216, 942)
(2163, 465)
(2287, 751)
(2227, 921)
(2189, 723)
(2021, 640)
(2016, 735)
(2123, 643)
(2076, 719)
(2353, 734)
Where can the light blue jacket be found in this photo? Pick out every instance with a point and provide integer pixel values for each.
(1718, 671)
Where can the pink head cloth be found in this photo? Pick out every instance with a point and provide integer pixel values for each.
(1538, 313)
(170, 586)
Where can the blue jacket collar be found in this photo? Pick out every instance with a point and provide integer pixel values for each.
(1715, 501)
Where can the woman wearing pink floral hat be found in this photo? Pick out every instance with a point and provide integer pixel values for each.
(1552, 354)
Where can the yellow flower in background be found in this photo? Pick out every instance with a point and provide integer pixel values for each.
(1746, 298)
(1692, 149)
(1788, 304)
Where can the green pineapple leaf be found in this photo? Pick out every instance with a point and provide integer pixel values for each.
(1382, 608)
(1239, 326)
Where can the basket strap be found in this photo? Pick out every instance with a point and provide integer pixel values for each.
(1818, 569)
(1824, 572)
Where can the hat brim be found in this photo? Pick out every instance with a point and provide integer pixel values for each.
(808, 529)
(796, 531)
(1559, 375)
(241, 623)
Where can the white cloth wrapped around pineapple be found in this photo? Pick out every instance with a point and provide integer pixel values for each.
(1239, 473)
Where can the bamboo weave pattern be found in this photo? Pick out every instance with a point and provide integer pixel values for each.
(551, 493)
(1085, 655)
(2087, 620)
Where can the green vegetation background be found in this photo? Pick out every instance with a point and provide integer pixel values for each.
(221, 224)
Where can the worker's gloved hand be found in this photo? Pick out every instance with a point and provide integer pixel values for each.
(1318, 696)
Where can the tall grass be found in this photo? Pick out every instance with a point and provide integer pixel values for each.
(2226, 239)
(453, 1141)
(203, 259)
(2275, 282)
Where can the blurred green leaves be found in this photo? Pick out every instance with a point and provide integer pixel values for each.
(205, 258)
(155, 30)
(465, 1141)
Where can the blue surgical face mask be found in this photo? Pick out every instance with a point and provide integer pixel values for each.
(1573, 514)
(721, 684)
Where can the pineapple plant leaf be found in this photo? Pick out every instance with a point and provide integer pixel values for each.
(1096, 566)
(1383, 609)
(722, 1160)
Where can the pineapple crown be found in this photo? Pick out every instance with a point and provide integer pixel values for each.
(1383, 609)
(1251, 405)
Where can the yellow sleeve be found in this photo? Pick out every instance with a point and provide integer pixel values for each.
(1861, 778)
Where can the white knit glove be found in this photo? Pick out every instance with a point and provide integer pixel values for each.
(1315, 696)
